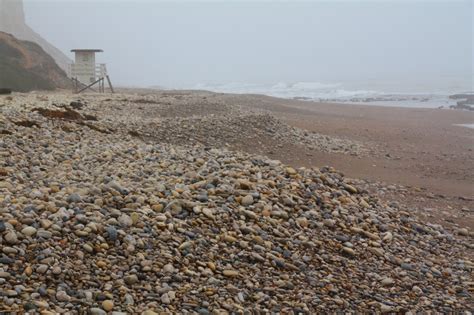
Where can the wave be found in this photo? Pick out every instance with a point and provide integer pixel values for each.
(333, 92)
(309, 90)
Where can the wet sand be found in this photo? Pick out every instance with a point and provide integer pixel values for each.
(421, 148)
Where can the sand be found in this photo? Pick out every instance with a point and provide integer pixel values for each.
(422, 148)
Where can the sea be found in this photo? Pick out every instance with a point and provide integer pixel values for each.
(414, 95)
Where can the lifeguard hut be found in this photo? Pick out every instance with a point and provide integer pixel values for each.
(85, 73)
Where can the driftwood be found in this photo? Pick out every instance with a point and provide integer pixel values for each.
(4, 91)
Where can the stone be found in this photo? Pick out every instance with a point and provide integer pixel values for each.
(97, 311)
(463, 232)
(385, 308)
(247, 200)
(129, 299)
(28, 231)
(6, 260)
(125, 220)
(302, 221)
(407, 266)
(388, 237)
(203, 311)
(376, 251)
(349, 251)
(9, 250)
(74, 198)
(10, 293)
(28, 271)
(350, 188)
(108, 305)
(41, 269)
(11, 238)
(44, 234)
(88, 248)
(130, 279)
(6, 185)
(211, 266)
(62, 296)
(329, 223)
(168, 268)
(118, 187)
(387, 281)
(185, 245)
(417, 290)
(208, 213)
(165, 298)
(229, 238)
(112, 233)
(230, 273)
(364, 204)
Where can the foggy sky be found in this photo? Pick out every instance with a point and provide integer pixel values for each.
(181, 43)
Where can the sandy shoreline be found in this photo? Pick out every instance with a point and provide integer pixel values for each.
(421, 148)
(426, 142)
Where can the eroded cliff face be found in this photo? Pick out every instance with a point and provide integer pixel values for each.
(12, 21)
(25, 66)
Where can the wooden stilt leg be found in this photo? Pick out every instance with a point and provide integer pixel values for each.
(110, 83)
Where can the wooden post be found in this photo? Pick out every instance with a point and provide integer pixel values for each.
(110, 83)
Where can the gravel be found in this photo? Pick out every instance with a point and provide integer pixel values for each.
(119, 224)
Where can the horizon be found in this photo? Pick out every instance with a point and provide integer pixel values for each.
(302, 158)
(405, 46)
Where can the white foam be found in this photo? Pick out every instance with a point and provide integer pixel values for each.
(471, 126)
(332, 92)
(310, 90)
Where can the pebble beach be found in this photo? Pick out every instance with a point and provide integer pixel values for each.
(132, 204)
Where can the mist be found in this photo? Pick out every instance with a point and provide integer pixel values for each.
(408, 45)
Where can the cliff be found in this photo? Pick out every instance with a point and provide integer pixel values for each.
(12, 21)
(25, 66)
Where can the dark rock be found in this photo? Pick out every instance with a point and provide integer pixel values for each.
(76, 105)
(112, 233)
(6, 260)
(342, 238)
(203, 311)
(406, 266)
(29, 306)
(73, 198)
